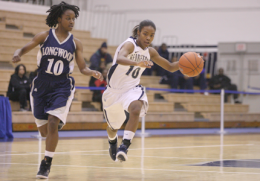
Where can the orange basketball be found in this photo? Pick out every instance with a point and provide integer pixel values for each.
(191, 64)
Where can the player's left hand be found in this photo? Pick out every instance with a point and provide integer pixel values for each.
(200, 56)
(145, 64)
(97, 75)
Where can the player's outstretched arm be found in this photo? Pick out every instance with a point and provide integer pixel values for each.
(37, 40)
(171, 67)
(127, 49)
(81, 63)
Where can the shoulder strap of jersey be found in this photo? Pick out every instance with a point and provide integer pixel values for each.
(130, 39)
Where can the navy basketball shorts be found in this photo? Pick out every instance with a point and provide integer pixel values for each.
(116, 102)
(51, 98)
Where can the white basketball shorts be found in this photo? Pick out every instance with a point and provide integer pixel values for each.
(116, 102)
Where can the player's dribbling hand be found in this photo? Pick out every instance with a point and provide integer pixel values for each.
(16, 58)
(145, 64)
(97, 75)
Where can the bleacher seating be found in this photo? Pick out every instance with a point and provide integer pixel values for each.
(14, 26)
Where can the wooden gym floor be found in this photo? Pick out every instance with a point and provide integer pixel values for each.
(164, 158)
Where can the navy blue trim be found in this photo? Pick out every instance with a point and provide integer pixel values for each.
(111, 71)
(108, 120)
(136, 43)
(141, 94)
(134, 40)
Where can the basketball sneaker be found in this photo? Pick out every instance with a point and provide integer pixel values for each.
(122, 153)
(44, 170)
(113, 149)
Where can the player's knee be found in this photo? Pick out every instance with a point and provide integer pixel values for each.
(53, 124)
(135, 110)
(43, 133)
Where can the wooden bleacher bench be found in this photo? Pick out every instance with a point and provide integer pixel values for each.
(73, 117)
(191, 98)
(83, 95)
(6, 73)
(3, 91)
(26, 23)
(4, 83)
(11, 33)
(203, 107)
(76, 106)
(22, 16)
(161, 107)
(12, 48)
(15, 105)
(150, 96)
(169, 117)
(2, 25)
(20, 41)
(96, 105)
(215, 117)
(148, 80)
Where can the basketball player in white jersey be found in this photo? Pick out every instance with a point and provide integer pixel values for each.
(123, 93)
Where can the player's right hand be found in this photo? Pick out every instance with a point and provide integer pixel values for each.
(16, 58)
(97, 75)
(145, 64)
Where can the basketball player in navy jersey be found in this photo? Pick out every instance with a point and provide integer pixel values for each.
(123, 93)
(53, 89)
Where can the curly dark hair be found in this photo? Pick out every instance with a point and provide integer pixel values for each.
(57, 10)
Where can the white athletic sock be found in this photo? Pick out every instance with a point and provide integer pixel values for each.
(128, 135)
(49, 154)
(112, 138)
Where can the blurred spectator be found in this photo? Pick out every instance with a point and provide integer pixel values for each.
(163, 52)
(176, 79)
(92, 80)
(99, 56)
(183, 81)
(19, 87)
(200, 80)
(222, 81)
(97, 94)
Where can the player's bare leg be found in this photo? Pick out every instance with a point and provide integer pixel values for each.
(130, 129)
(53, 136)
(112, 140)
(51, 144)
(43, 130)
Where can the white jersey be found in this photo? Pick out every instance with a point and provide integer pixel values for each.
(125, 77)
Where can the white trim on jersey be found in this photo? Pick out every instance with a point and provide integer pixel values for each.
(39, 53)
(74, 44)
(39, 58)
(71, 66)
(44, 41)
(39, 122)
(62, 112)
(54, 34)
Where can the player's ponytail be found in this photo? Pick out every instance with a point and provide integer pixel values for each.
(142, 24)
(134, 32)
(57, 10)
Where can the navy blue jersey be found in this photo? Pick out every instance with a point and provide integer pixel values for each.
(55, 58)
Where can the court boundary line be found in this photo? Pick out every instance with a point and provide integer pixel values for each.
(130, 168)
(157, 148)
